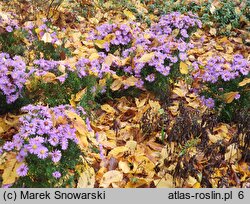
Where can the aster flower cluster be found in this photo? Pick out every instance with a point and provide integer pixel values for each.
(95, 67)
(218, 68)
(44, 132)
(12, 76)
(168, 46)
(59, 68)
(114, 34)
(176, 20)
(160, 41)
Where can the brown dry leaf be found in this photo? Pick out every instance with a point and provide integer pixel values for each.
(194, 104)
(197, 185)
(232, 154)
(243, 168)
(109, 60)
(175, 32)
(11, 120)
(110, 177)
(62, 68)
(107, 108)
(223, 128)
(7, 122)
(214, 138)
(219, 47)
(238, 40)
(155, 146)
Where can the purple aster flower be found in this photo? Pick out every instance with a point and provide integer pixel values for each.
(237, 96)
(37, 140)
(42, 152)
(209, 102)
(54, 140)
(183, 56)
(7, 185)
(139, 84)
(8, 146)
(56, 174)
(34, 147)
(22, 170)
(150, 77)
(182, 47)
(184, 33)
(64, 143)
(20, 157)
(88, 125)
(24, 151)
(56, 156)
(9, 29)
(100, 147)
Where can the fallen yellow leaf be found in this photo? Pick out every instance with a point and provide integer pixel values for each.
(94, 56)
(129, 14)
(10, 167)
(100, 43)
(118, 151)
(124, 166)
(229, 97)
(107, 108)
(146, 57)
(111, 177)
(49, 77)
(130, 81)
(183, 68)
(244, 82)
(87, 179)
(80, 126)
(46, 38)
(116, 85)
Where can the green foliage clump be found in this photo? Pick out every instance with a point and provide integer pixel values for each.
(40, 171)
(12, 42)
